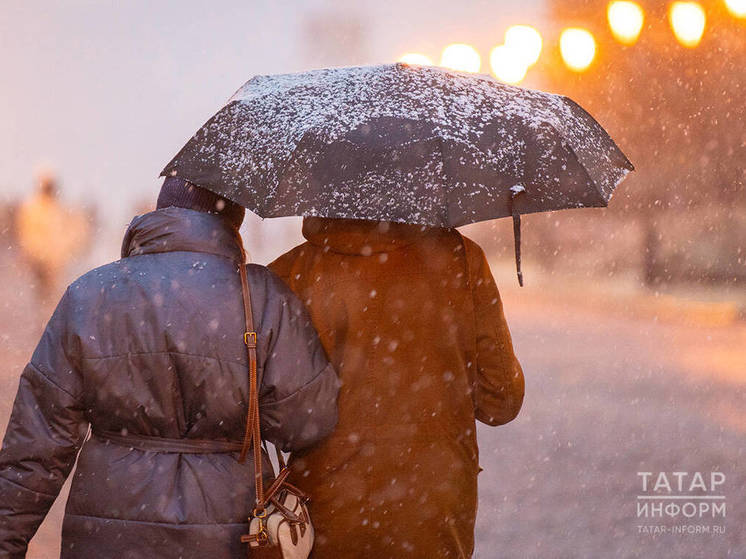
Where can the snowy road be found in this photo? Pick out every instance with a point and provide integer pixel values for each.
(607, 396)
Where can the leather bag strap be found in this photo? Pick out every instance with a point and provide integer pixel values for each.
(253, 431)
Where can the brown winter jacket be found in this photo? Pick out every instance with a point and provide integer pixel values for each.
(413, 323)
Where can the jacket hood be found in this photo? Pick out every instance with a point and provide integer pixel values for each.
(362, 237)
(180, 229)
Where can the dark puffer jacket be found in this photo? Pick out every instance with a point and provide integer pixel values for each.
(152, 345)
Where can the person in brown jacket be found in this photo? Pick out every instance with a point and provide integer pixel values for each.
(412, 321)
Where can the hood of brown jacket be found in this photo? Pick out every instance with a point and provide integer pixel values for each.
(362, 237)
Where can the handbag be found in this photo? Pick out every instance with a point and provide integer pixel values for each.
(279, 525)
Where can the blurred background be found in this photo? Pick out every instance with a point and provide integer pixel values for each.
(632, 326)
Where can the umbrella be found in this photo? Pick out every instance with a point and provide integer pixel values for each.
(398, 142)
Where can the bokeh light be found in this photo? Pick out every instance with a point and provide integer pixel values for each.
(625, 20)
(525, 41)
(416, 58)
(736, 7)
(578, 48)
(687, 22)
(508, 64)
(459, 56)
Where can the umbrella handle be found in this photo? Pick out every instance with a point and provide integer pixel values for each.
(517, 238)
(516, 232)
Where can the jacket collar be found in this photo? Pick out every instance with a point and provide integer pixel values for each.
(180, 229)
(360, 237)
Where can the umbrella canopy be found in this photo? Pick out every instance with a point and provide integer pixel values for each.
(405, 143)
(399, 142)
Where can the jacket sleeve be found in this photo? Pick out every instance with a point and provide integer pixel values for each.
(298, 402)
(499, 384)
(45, 431)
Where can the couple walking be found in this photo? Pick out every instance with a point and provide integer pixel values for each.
(379, 344)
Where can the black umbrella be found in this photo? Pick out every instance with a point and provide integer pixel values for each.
(413, 144)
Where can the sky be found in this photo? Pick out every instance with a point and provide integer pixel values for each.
(104, 93)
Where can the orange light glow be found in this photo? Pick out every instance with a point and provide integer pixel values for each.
(625, 20)
(459, 56)
(508, 64)
(578, 48)
(736, 7)
(688, 22)
(416, 58)
(525, 41)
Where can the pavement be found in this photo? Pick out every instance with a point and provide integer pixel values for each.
(614, 386)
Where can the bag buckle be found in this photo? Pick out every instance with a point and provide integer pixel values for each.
(261, 538)
(249, 338)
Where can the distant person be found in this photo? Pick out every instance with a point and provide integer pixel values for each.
(412, 321)
(49, 235)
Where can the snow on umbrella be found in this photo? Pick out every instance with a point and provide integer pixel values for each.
(395, 142)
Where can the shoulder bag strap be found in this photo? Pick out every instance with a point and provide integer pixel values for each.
(252, 433)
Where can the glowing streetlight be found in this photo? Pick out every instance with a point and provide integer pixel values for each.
(625, 19)
(508, 64)
(736, 7)
(416, 58)
(578, 48)
(459, 56)
(688, 22)
(525, 42)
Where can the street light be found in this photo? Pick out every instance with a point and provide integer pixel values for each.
(578, 48)
(416, 58)
(525, 41)
(688, 22)
(625, 20)
(508, 64)
(736, 7)
(459, 56)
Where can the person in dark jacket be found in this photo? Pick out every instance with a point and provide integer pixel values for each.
(148, 351)
(413, 323)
